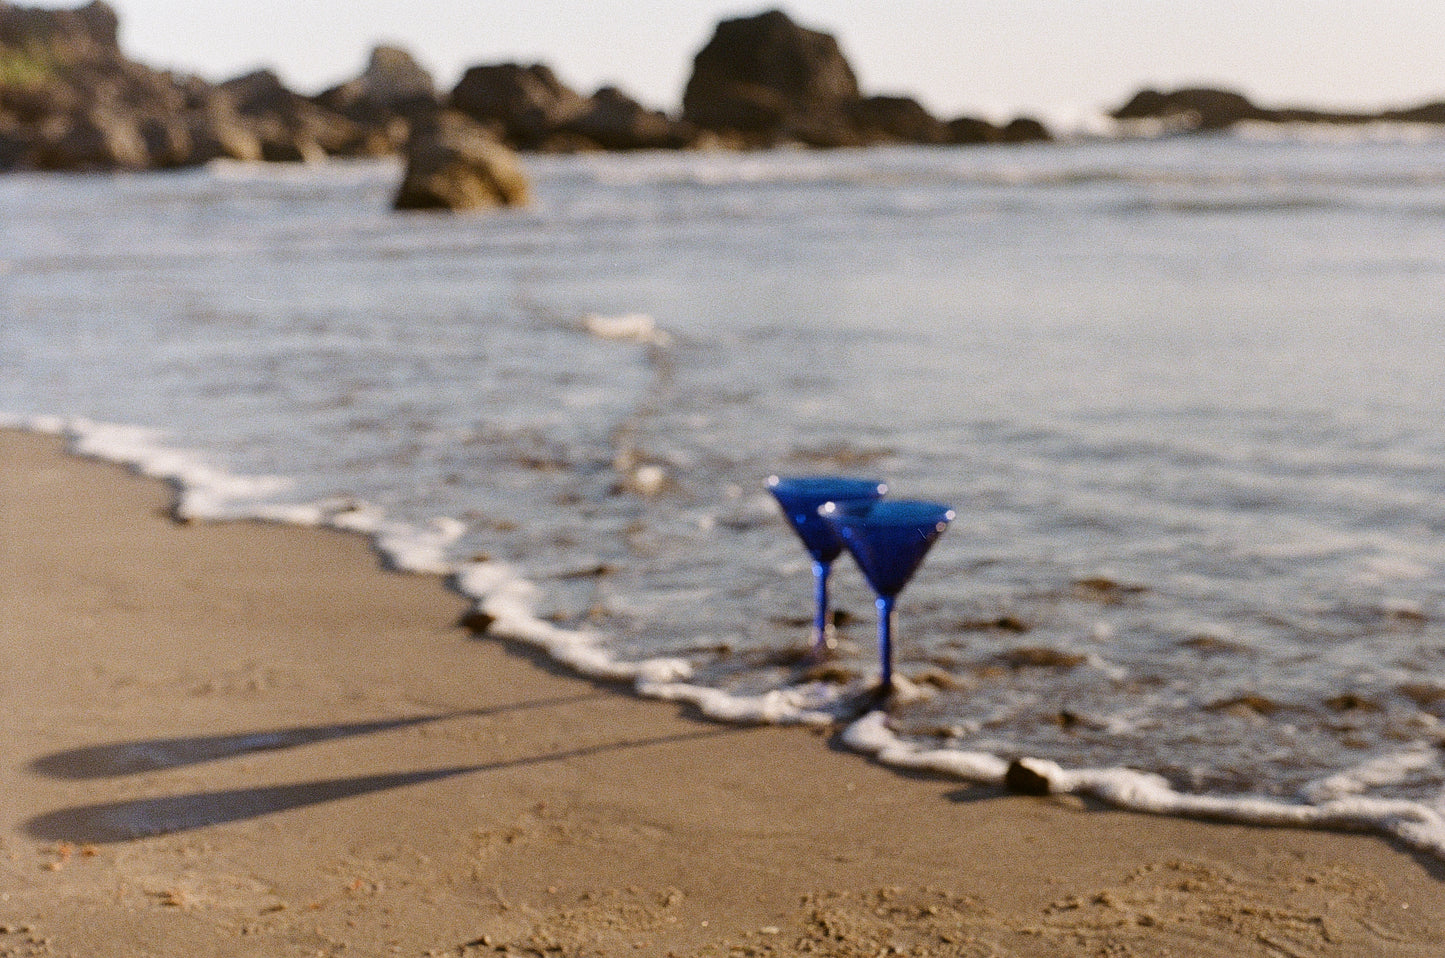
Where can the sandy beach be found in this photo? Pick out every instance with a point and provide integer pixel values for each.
(246, 739)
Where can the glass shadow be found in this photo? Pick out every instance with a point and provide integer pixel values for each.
(133, 819)
(114, 759)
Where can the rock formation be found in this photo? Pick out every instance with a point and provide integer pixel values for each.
(764, 80)
(901, 119)
(454, 164)
(1205, 109)
(615, 121)
(532, 109)
(524, 104)
(290, 127)
(391, 94)
(71, 100)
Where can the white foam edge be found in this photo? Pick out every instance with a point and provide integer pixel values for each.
(509, 601)
(1418, 825)
(203, 491)
(206, 492)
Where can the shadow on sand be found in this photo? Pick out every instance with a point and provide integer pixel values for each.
(111, 822)
(114, 759)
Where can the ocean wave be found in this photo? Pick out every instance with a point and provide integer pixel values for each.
(1239, 205)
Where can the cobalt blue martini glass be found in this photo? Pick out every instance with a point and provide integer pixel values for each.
(889, 540)
(800, 498)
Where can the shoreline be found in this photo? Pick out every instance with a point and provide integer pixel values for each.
(504, 608)
(333, 764)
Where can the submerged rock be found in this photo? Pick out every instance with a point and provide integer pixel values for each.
(1040, 657)
(455, 164)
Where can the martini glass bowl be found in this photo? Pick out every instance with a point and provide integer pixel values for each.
(800, 498)
(888, 540)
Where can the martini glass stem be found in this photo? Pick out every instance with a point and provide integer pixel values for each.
(885, 640)
(822, 637)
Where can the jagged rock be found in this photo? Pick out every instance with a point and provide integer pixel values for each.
(526, 104)
(218, 132)
(70, 100)
(393, 81)
(766, 79)
(531, 109)
(1024, 129)
(615, 121)
(94, 139)
(1205, 109)
(896, 119)
(291, 128)
(389, 96)
(971, 131)
(1191, 109)
(454, 163)
(69, 34)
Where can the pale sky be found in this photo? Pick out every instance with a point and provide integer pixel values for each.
(1000, 57)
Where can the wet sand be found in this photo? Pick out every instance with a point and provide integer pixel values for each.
(249, 739)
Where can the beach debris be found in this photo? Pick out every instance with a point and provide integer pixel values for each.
(1207, 644)
(631, 327)
(1069, 719)
(1022, 779)
(840, 455)
(1106, 589)
(1351, 702)
(1248, 705)
(1034, 656)
(1001, 623)
(830, 672)
(476, 621)
(1405, 613)
(594, 570)
(649, 480)
(937, 678)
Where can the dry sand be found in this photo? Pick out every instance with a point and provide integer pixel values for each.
(242, 739)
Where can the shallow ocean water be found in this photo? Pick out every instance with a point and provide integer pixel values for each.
(1184, 395)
